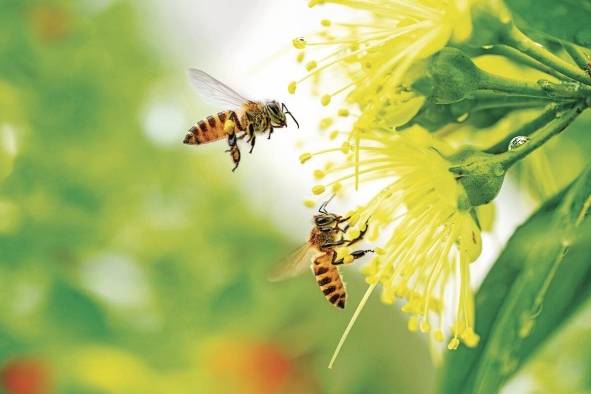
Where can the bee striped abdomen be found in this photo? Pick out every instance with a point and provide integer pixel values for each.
(329, 279)
(210, 129)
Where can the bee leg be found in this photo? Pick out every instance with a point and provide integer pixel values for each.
(270, 132)
(334, 243)
(244, 134)
(234, 151)
(361, 235)
(357, 254)
(252, 138)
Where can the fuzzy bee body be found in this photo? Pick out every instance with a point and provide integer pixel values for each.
(320, 254)
(247, 117)
(328, 276)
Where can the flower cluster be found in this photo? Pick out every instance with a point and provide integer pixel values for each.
(376, 55)
(428, 234)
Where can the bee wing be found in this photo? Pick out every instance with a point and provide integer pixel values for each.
(294, 264)
(214, 92)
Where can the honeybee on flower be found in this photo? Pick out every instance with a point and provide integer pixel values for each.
(424, 223)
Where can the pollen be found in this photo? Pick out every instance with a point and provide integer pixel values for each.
(311, 65)
(333, 135)
(425, 326)
(300, 56)
(344, 112)
(345, 147)
(308, 203)
(325, 100)
(291, 88)
(353, 233)
(326, 22)
(304, 157)
(337, 187)
(299, 43)
(229, 126)
(453, 344)
(319, 174)
(438, 336)
(318, 189)
(325, 123)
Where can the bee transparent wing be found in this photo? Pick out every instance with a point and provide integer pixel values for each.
(294, 264)
(213, 91)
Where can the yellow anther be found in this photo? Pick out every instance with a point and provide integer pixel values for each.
(413, 324)
(453, 344)
(387, 296)
(299, 43)
(325, 123)
(325, 100)
(325, 22)
(469, 337)
(336, 187)
(425, 326)
(311, 65)
(304, 157)
(300, 57)
(379, 251)
(346, 147)
(438, 335)
(291, 88)
(333, 135)
(309, 203)
(344, 112)
(318, 189)
(319, 174)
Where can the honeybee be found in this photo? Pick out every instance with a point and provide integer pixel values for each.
(240, 115)
(320, 251)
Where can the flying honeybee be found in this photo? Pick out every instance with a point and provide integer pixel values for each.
(240, 115)
(320, 251)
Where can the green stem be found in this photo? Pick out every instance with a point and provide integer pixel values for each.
(489, 99)
(539, 137)
(527, 129)
(542, 88)
(581, 58)
(515, 38)
(518, 57)
(490, 81)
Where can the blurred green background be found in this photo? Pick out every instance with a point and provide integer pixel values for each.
(132, 267)
(127, 267)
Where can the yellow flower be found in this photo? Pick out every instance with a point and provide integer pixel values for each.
(375, 55)
(422, 225)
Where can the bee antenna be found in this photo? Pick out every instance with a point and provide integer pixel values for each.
(284, 108)
(322, 208)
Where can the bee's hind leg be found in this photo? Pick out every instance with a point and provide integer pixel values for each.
(234, 151)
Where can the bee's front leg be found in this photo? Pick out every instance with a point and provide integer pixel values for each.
(357, 254)
(234, 151)
(270, 132)
(360, 236)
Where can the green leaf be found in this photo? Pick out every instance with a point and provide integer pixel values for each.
(565, 19)
(539, 280)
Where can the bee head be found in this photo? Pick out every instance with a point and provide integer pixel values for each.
(277, 112)
(325, 219)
